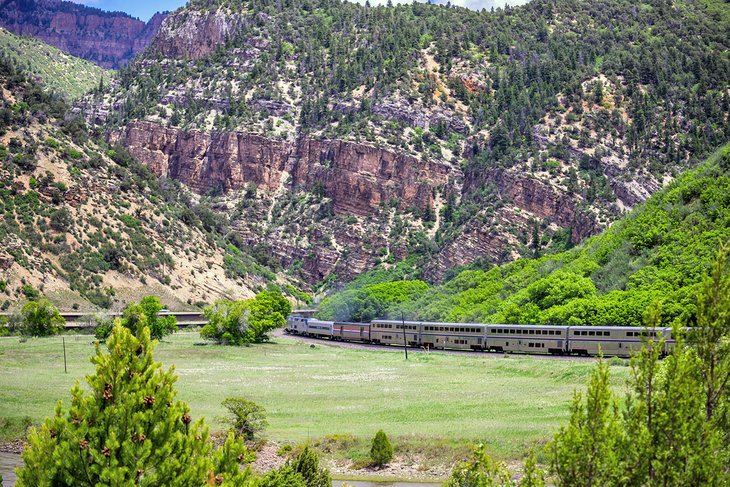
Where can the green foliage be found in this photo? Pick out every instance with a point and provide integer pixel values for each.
(480, 471)
(711, 338)
(381, 452)
(586, 450)
(29, 291)
(371, 301)
(673, 428)
(246, 418)
(127, 429)
(146, 314)
(246, 321)
(41, 318)
(659, 252)
(284, 476)
(307, 465)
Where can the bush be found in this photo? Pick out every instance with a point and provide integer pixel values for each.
(247, 321)
(247, 419)
(41, 318)
(307, 465)
(284, 476)
(381, 452)
(103, 328)
(30, 292)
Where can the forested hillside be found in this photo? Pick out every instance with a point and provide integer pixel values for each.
(343, 136)
(659, 252)
(86, 225)
(55, 69)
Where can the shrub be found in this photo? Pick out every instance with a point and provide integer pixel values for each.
(381, 451)
(247, 418)
(41, 318)
(30, 292)
(284, 476)
(103, 329)
(307, 465)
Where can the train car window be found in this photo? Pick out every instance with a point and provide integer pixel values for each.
(592, 333)
(576, 333)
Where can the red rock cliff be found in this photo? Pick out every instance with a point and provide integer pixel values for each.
(357, 177)
(109, 39)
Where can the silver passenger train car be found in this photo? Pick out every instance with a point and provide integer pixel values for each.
(557, 340)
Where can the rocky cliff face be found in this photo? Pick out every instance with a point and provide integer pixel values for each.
(109, 39)
(357, 193)
(357, 178)
(337, 136)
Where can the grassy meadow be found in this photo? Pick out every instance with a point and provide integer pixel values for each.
(508, 402)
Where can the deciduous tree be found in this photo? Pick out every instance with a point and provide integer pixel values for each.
(41, 318)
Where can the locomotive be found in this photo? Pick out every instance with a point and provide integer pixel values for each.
(620, 341)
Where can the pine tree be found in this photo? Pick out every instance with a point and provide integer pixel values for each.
(381, 451)
(128, 429)
(480, 471)
(307, 465)
(711, 339)
(587, 450)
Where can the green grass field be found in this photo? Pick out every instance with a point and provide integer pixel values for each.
(506, 402)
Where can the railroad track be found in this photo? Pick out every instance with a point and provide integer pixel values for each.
(185, 319)
(81, 320)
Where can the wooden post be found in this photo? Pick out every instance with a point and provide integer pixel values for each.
(65, 368)
(405, 340)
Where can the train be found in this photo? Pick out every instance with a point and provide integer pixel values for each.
(619, 341)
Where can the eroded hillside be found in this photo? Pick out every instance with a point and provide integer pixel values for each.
(339, 136)
(85, 224)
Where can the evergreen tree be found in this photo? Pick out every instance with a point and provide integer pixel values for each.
(284, 476)
(381, 451)
(307, 465)
(128, 429)
(480, 471)
(711, 338)
(587, 450)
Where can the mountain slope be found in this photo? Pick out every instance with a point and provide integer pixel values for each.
(55, 69)
(364, 135)
(86, 225)
(109, 39)
(659, 252)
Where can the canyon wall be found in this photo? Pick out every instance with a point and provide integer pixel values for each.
(358, 178)
(109, 39)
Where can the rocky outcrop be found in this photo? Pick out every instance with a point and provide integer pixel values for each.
(358, 178)
(194, 34)
(545, 201)
(109, 39)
